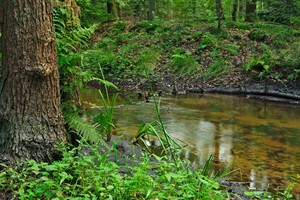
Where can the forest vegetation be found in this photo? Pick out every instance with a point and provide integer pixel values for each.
(168, 45)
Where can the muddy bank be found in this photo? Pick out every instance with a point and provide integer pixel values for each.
(237, 84)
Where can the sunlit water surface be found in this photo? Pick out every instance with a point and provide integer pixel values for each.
(259, 140)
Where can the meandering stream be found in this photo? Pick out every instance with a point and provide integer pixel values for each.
(260, 140)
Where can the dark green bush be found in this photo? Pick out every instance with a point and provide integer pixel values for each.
(258, 35)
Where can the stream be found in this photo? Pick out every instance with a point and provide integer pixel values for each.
(259, 140)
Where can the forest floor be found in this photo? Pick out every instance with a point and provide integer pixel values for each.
(260, 61)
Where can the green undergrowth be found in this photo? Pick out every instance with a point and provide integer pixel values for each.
(87, 173)
(93, 176)
(196, 50)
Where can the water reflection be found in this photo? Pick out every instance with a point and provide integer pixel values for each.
(260, 139)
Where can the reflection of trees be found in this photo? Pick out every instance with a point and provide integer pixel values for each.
(205, 142)
(259, 138)
(225, 144)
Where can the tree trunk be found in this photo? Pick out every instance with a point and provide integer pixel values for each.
(112, 8)
(241, 9)
(250, 11)
(234, 10)
(219, 10)
(31, 122)
(1, 19)
(220, 13)
(151, 13)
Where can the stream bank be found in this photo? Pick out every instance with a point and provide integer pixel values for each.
(266, 90)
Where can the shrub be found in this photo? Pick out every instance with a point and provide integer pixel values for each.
(232, 48)
(208, 41)
(258, 35)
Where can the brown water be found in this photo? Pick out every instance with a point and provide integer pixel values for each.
(260, 140)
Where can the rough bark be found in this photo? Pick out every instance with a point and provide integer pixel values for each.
(1, 24)
(250, 11)
(31, 123)
(1, 17)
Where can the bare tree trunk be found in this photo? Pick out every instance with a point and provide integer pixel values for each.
(1, 24)
(1, 17)
(220, 14)
(219, 9)
(31, 122)
(242, 4)
(151, 13)
(112, 8)
(250, 11)
(234, 10)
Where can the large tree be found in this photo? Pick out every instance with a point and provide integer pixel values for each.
(31, 122)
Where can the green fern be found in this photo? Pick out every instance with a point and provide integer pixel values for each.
(184, 64)
(70, 49)
(84, 129)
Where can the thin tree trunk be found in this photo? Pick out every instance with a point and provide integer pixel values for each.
(119, 10)
(235, 9)
(151, 13)
(112, 8)
(31, 122)
(219, 10)
(1, 17)
(220, 14)
(242, 4)
(250, 11)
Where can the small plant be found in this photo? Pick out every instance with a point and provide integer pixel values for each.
(262, 64)
(104, 121)
(120, 27)
(157, 130)
(149, 26)
(147, 60)
(232, 48)
(217, 68)
(183, 63)
(258, 35)
(208, 41)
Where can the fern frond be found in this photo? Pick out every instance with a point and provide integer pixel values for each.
(84, 129)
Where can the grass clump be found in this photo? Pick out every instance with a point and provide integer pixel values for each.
(183, 63)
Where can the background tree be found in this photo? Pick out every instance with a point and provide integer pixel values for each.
(235, 9)
(113, 8)
(152, 5)
(250, 11)
(220, 13)
(242, 5)
(31, 123)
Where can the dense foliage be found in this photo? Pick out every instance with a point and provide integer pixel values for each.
(93, 176)
(141, 40)
(87, 173)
